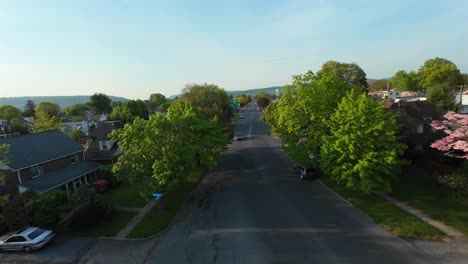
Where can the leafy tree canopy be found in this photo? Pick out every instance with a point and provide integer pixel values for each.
(9, 112)
(210, 101)
(29, 109)
(77, 109)
(45, 122)
(157, 102)
(442, 95)
(439, 71)
(48, 108)
(100, 103)
(348, 72)
(133, 108)
(406, 81)
(362, 150)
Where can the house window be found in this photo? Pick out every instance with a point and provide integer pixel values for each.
(103, 145)
(74, 158)
(37, 171)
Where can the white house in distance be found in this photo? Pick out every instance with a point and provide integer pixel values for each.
(464, 103)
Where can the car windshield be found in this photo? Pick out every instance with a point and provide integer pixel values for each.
(36, 233)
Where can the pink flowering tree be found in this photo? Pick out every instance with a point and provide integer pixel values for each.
(455, 144)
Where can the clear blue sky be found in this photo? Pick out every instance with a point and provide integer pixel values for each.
(134, 48)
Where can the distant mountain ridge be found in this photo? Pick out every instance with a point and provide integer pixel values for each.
(63, 101)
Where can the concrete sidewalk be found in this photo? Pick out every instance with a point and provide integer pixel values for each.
(136, 219)
(456, 238)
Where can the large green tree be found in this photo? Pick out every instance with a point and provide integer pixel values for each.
(100, 103)
(406, 81)
(348, 72)
(9, 112)
(29, 108)
(362, 150)
(51, 109)
(77, 109)
(210, 101)
(132, 109)
(164, 148)
(45, 122)
(442, 95)
(439, 71)
(304, 105)
(243, 99)
(157, 102)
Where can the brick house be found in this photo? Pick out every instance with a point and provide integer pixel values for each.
(45, 161)
(414, 119)
(100, 147)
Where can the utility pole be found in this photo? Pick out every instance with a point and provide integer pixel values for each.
(461, 97)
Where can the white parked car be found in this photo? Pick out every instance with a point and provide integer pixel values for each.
(27, 239)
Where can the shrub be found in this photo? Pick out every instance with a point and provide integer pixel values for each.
(106, 173)
(88, 209)
(48, 209)
(457, 181)
(16, 212)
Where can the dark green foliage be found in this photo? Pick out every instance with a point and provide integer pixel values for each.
(78, 135)
(457, 181)
(210, 101)
(406, 81)
(77, 109)
(29, 109)
(100, 103)
(51, 109)
(442, 95)
(19, 127)
(362, 150)
(157, 102)
(9, 112)
(132, 109)
(106, 173)
(439, 71)
(348, 72)
(48, 208)
(88, 209)
(16, 211)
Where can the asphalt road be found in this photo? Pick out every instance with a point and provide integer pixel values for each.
(250, 209)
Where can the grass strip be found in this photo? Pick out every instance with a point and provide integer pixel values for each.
(109, 228)
(434, 200)
(161, 215)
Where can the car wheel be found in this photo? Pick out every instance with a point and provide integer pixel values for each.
(27, 249)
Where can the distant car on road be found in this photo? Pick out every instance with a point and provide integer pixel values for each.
(304, 172)
(238, 137)
(27, 239)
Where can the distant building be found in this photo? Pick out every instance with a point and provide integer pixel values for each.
(464, 103)
(100, 147)
(6, 130)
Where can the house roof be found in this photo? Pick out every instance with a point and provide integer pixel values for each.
(31, 149)
(56, 178)
(418, 109)
(100, 133)
(94, 153)
(98, 117)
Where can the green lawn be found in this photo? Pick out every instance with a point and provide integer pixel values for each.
(126, 194)
(109, 228)
(434, 200)
(385, 214)
(161, 216)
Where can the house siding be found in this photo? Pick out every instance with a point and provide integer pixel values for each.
(11, 186)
